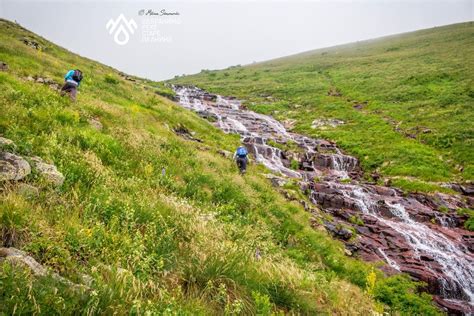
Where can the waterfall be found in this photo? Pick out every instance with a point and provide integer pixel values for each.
(392, 263)
(423, 240)
(456, 280)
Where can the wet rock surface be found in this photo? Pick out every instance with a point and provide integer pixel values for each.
(421, 235)
(207, 115)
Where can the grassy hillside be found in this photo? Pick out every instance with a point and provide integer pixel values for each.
(407, 100)
(150, 222)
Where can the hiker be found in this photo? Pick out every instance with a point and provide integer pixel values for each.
(71, 81)
(240, 157)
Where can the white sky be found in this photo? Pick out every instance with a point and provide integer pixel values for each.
(214, 34)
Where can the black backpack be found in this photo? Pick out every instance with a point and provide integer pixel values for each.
(77, 75)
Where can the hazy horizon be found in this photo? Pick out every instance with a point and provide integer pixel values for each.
(195, 35)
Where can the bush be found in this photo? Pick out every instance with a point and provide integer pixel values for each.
(401, 294)
(111, 79)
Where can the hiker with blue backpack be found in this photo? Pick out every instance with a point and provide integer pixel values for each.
(72, 80)
(240, 157)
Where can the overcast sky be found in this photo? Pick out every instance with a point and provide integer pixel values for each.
(212, 34)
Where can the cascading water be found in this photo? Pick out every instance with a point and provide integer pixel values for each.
(392, 263)
(432, 253)
(456, 265)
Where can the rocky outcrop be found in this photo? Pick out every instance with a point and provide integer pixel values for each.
(16, 256)
(13, 167)
(324, 123)
(276, 180)
(31, 43)
(207, 115)
(186, 134)
(21, 258)
(44, 80)
(48, 171)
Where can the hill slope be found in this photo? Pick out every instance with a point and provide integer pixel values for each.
(406, 101)
(148, 221)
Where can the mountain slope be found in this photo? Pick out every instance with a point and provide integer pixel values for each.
(405, 101)
(149, 220)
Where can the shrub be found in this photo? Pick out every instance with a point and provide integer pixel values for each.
(111, 79)
(402, 295)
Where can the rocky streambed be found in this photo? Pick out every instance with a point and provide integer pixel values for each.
(418, 234)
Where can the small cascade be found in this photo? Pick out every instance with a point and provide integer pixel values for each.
(392, 263)
(455, 264)
(341, 162)
(399, 230)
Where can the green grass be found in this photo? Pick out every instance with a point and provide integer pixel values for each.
(159, 224)
(415, 94)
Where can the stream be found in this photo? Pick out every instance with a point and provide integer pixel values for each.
(410, 233)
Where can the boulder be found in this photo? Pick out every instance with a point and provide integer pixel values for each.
(338, 162)
(31, 43)
(453, 307)
(185, 133)
(6, 142)
(21, 258)
(16, 256)
(48, 171)
(225, 153)
(13, 167)
(95, 123)
(333, 92)
(324, 123)
(209, 97)
(27, 190)
(208, 115)
(3, 66)
(276, 180)
(468, 189)
(338, 230)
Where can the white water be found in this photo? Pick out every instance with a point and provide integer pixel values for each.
(392, 263)
(423, 240)
(256, 129)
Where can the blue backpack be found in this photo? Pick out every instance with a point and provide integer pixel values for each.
(242, 152)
